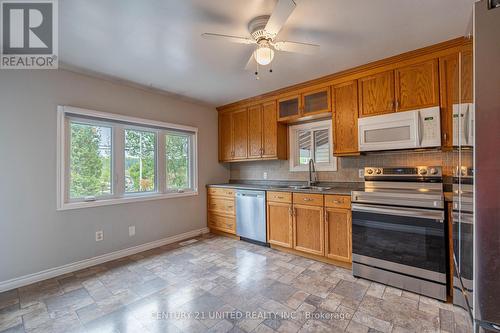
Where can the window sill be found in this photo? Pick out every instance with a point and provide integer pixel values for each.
(117, 201)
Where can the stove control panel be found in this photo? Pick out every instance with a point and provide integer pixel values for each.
(420, 171)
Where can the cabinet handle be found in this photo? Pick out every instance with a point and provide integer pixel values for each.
(308, 199)
(290, 211)
(326, 217)
(230, 207)
(397, 105)
(336, 201)
(279, 197)
(294, 211)
(445, 136)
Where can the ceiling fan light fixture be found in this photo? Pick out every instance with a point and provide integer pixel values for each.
(264, 53)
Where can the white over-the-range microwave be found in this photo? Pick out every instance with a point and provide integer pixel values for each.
(401, 130)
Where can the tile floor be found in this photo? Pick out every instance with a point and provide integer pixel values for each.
(217, 284)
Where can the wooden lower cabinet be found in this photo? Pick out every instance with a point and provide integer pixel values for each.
(221, 210)
(222, 222)
(338, 234)
(279, 223)
(319, 227)
(308, 229)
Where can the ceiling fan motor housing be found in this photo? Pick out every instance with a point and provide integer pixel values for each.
(257, 26)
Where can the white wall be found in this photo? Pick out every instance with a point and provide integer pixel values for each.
(33, 235)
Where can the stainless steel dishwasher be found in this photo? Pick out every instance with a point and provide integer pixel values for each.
(251, 215)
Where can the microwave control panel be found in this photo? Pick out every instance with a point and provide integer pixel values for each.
(431, 127)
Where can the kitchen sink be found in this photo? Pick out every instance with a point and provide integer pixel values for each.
(304, 187)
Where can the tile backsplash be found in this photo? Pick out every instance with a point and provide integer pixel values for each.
(347, 167)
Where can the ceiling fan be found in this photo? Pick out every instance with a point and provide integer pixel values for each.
(263, 31)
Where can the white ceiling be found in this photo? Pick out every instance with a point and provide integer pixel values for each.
(157, 42)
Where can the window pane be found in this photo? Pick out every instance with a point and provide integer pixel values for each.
(140, 152)
(90, 160)
(304, 146)
(178, 161)
(321, 146)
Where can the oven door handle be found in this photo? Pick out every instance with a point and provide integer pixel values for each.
(399, 211)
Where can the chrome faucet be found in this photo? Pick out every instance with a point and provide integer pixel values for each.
(313, 177)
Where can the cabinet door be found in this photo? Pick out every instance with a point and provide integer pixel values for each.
(279, 224)
(289, 108)
(376, 94)
(308, 229)
(316, 101)
(466, 77)
(255, 131)
(417, 86)
(240, 134)
(269, 130)
(448, 74)
(345, 118)
(225, 137)
(338, 234)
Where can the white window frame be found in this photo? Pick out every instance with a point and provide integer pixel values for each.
(295, 166)
(119, 124)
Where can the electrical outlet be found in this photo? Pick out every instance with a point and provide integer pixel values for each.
(99, 236)
(264, 175)
(361, 173)
(131, 230)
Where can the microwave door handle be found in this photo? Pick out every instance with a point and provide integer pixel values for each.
(419, 128)
(397, 211)
(466, 125)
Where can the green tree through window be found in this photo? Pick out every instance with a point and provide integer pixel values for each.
(140, 150)
(178, 164)
(90, 160)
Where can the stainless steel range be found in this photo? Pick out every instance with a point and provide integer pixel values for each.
(398, 229)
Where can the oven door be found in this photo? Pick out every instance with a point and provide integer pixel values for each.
(407, 241)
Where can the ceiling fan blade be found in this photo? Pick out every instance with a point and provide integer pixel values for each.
(281, 12)
(250, 63)
(296, 47)
(228, 38)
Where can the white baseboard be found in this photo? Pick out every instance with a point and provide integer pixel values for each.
(64, 269)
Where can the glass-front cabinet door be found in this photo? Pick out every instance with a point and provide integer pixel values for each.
(289, 108)
(316, 102)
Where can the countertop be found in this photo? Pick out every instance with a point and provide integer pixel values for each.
(335, 188)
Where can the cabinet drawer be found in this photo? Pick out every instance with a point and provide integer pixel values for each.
(338, 201)
(221, 191)
(221, 205)
(285, 197)
(220, 222)
(308, 199)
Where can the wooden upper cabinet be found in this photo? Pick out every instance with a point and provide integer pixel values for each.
(308, 229)
(240, 134)
(466, 76)
(376, 94)
(345, 118)
(255, 126)
(417, 86)
(338, 234)
(449, 90)
(252, 133)
(273, 137)
(279, 223)
(316, 101)
(225, 137)
(289, 108)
